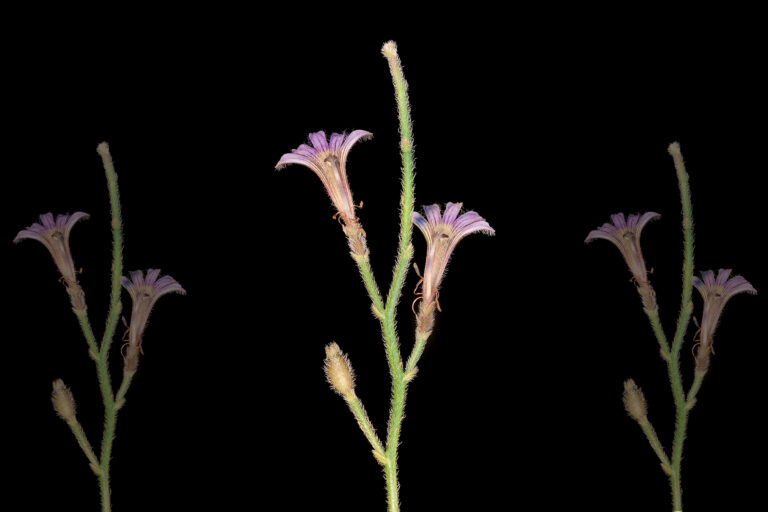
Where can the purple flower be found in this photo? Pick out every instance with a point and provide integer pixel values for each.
(144, 291)
(716, 291)
(625, 234)
(54, 234)
(443, 232)
(328, 159)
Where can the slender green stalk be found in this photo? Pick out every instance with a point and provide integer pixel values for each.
(658, 330)
(82, 440)
(653, 439)
(399, 386)
(110, 409)
(365, 424)
(117, 237)
(110, 422)
(681, 421)
(124, 385)
(85, 326)
(405, 253)
(413, 359)
(364, 265)
(697, 381)
(686, 307)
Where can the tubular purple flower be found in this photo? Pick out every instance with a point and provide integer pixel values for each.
(328, 159)
(625, 234)
(716, 291)
(144, 291)
(442, 233)
(54, 234)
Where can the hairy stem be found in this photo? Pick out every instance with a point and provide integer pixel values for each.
(404, 255)
(82, 440)
(697, 381)
(117, 237)
(418, 349)
(653, 439)
(85, 326)
(110, 409)
(658, 330)
(686, 307)
(364, 265)
(365, 424)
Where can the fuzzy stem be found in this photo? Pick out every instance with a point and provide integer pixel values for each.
(653, 439)
(90, 338)
(124, 385)
(658, 330)
(677, 445)
(110, 422)
(110, 409)
(364, 265)
(697, 381)
(117, 236)
(405, 253)
(418, 350)
(82, 440)
(686, 307)
(356, 406)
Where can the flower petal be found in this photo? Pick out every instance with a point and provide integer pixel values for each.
(319, 141)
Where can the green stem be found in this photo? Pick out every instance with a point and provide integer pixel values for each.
(82, 440)
(90, 338)
(399, 386)
(658, 330)
(117, 237)
(110, 409)
(653, 439)
(365, 424)
(110, 420)
(124, 385)
(681, 422)
(697, 381)
(405, 253)
(413, 359)
(686, 307)
(364, 265)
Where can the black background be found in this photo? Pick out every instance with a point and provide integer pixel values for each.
(543, 128)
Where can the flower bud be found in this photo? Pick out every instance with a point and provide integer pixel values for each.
(634, 401)
(338, 371)
(63, 402)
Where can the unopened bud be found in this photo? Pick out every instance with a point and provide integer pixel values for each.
(63, 402)
(338, 371)
(389, 50)
(634, 401)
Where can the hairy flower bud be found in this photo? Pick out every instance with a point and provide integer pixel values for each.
(338, 371)
(634, 401)
(63, 402)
